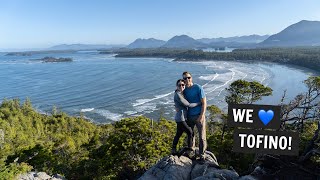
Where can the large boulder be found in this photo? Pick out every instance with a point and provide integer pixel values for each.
(171, 167)
(181, 167)
(206, 171)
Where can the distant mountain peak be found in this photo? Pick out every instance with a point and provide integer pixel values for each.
(302, 33)
(183, 36)
(183, 41)
(306, 21)
(146, 43)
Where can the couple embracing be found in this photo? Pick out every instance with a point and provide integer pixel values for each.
(190, 103)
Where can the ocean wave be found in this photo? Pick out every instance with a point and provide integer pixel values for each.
(146, 108)
(240, 73)
(87, 110)
(264, 77)
(226, 82)
(39, 110)
(140, 102)
(88, 118)
(167, 102)
(168, 59)
(244, 77)
(129, 113)
(209, 77)
(109, 115)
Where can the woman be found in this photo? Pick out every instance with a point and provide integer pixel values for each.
(181, 105)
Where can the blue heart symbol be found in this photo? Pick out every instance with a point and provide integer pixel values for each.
(265, 117)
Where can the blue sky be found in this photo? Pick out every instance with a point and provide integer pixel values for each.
(43, 23)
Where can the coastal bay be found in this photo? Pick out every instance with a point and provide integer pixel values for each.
(105, 88)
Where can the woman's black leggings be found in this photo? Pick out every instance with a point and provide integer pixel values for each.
(182, 127)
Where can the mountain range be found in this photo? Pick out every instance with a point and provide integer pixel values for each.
(240, 39)
(187, 42)
(303, 33)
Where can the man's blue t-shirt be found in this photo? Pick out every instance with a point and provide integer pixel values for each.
(194, 94)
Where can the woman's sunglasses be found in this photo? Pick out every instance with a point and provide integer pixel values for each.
(181, 84)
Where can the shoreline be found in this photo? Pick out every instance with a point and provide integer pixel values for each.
(255, 62)
(206, 60)
(308, 57)
(314, 71)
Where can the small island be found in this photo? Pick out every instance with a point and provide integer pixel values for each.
(53, 59)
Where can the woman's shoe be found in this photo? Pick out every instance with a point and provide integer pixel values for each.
(190, 153)
(202, 159)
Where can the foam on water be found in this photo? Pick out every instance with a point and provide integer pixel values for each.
(167, 102)
(209, 78)
(37, 108)
(236, 71)
(146, 108)
(226, 75)
(88, 118)
(168, 59)
(109, 115)
(87, 110)
(140, 102)
(130, 112)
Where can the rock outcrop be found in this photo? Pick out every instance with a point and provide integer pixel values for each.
(181, 167)
(39, 176)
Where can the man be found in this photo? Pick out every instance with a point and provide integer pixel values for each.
(196, 115)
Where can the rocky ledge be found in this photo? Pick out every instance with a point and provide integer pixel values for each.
(178, 167)
(181, 167)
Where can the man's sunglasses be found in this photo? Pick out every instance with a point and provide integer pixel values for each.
(181, 84)
(185, 78)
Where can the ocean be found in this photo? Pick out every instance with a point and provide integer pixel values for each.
(105, 88)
